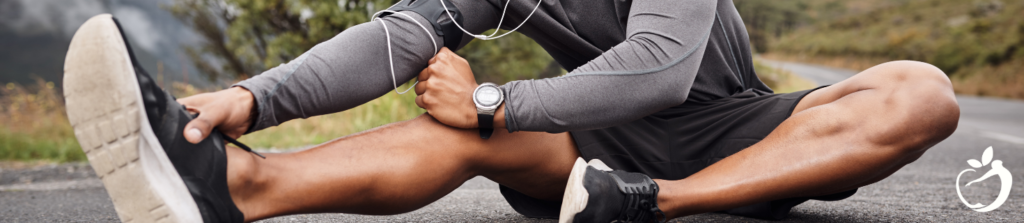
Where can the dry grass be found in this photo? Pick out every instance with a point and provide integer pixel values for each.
(33, 125)
(780, 80)
(389, 108)
(977, 43)
(1004, 80)
(852, 63)
(299, 133)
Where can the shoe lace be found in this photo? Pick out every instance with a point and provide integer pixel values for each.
(228, 138)
(640, 205)
(239, 144)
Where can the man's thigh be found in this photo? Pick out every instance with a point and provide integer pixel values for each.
(887, 76)
(679, 141)
(899, 106)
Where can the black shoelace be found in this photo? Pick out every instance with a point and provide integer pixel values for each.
(239, 144)
(640, 205)
(226, 137)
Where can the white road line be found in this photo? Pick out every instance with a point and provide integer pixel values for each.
(1002, 137)
(59, 185)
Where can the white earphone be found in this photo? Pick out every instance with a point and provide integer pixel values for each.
(387, 35)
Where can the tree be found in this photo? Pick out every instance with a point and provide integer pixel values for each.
(245, 37)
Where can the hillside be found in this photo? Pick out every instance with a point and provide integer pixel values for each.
(977, 43)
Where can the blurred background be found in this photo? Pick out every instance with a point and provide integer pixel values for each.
(195, 46)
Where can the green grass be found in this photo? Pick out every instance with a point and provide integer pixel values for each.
(33, 125)
(34, 146)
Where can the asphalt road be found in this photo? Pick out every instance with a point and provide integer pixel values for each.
(923, 191)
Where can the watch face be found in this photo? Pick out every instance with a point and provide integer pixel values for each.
(488, 96)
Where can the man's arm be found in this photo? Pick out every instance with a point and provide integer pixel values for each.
(348, 70)
(650, 71)
(335, 75)
(343, 72)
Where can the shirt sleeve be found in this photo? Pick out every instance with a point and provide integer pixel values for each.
(348, 70)
(653, 69)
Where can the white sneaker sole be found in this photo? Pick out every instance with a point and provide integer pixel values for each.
(575, 198)
(597, 164)
(106, 111)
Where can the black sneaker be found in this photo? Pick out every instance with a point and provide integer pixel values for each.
(595, 193)
(131, 131)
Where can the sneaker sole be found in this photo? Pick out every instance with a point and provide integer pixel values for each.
(575, 198)
(597, 164)
(106, 111)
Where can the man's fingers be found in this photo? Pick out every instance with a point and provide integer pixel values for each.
(439, 53)
(419, 102)
(425, 74)
(192, 100)
(199, 128)
(442, 55)
(421, 88)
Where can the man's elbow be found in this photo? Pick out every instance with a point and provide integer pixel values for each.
(677, 98)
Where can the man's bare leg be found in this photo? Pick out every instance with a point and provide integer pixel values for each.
(396, 168)
(842, 137)
(838, 138)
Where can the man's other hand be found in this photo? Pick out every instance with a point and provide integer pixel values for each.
(229, 110)
(446, 90)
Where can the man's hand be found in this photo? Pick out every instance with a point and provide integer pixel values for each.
(446, 90)
(229, 110)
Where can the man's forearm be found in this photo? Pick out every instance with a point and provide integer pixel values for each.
(343, 72)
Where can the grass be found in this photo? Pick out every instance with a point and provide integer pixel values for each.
(389, 108)
(979, 44)
(780, 80)
(33, 125)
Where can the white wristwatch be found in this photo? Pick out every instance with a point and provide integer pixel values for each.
(487, 98)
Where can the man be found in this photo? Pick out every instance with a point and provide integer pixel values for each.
(662, 100)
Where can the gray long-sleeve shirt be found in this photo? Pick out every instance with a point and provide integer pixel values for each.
(627, 60)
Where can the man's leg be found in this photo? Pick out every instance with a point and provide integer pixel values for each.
(838, 138)
(396, 168)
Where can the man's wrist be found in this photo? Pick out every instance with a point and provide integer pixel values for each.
(247, 103)
(499, 117)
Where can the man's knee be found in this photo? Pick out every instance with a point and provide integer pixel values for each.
(904, 71)
(926, 99)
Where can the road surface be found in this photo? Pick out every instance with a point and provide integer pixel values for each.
(923, 191)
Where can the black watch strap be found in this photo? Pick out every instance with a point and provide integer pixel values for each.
(486, 125)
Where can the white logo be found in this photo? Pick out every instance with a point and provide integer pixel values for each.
(997, 170)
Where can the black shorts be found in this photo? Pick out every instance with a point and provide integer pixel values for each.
(677, 142)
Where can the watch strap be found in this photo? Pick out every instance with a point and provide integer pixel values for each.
(486, 125)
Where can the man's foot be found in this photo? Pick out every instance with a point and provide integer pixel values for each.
(131, 131)
(595, 193)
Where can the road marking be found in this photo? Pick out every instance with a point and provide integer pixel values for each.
(59, 185)
(1002, 137)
